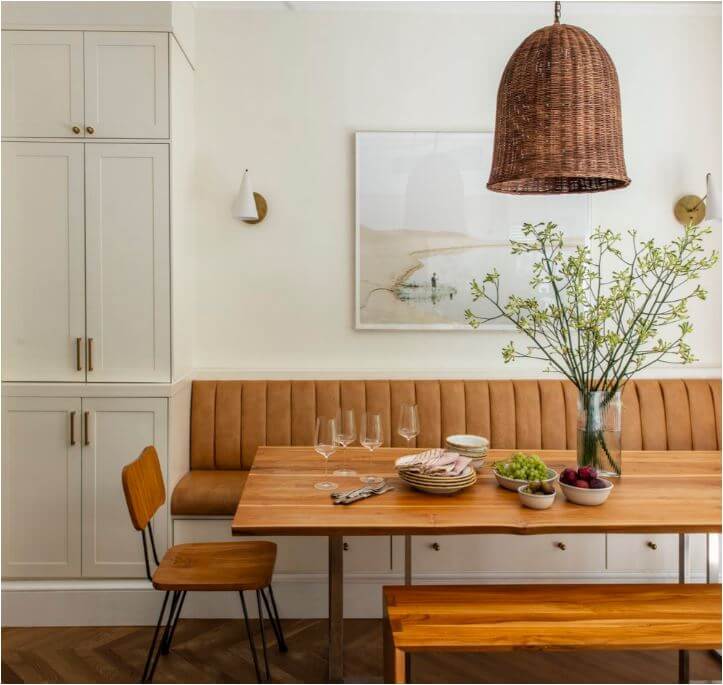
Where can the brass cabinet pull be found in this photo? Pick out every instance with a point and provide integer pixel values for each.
(435, 546)
(78, 362)
(90, 130)
(346, 546)
(561, 545)
(652, 545)
(90, 354)
(72, 428)
(76, 130)
(86, 416)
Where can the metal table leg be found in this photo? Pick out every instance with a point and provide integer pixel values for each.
(712, 565)
(408, 581)
(336, 609)
(683, 577)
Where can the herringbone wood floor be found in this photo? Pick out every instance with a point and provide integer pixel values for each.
(217, 651)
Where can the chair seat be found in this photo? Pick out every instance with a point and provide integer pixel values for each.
(216, 566)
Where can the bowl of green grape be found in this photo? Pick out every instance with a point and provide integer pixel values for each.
(521, 469)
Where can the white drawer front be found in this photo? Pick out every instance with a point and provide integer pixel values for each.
(508, 553)
(652, 552)
(294, 554)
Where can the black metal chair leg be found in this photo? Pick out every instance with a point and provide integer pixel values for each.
(168, 635)
(150, 666)
(250, 637)
(263, 634)
(275, 623)
(282, 644)
(175, 596)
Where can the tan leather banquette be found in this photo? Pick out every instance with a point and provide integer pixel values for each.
(230, 419)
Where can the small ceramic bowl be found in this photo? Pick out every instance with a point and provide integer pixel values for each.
(586, 496)
(515, 483)
(537, 500)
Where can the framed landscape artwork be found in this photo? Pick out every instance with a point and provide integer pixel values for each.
(426, 225)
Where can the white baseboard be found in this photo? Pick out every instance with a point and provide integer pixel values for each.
(135, 602)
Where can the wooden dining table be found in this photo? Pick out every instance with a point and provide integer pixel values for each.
(659, 492)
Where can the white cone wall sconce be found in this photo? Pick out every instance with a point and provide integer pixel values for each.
(249, 207)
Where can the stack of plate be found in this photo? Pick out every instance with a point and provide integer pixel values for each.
(472, 446)
(440, 484)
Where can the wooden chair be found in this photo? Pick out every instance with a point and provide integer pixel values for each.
(224, 566)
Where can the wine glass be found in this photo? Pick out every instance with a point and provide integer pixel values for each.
(370, 436)
(409, 422)
(325, 444)
(345, 436)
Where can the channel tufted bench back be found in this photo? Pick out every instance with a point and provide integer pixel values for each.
(230, 419)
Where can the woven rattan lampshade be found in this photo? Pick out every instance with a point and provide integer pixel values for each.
(559, 127)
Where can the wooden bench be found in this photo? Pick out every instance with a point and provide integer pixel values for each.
(546, 617)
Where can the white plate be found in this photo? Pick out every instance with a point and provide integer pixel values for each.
(469, 442)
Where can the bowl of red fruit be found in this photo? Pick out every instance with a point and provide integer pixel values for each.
(584, 486)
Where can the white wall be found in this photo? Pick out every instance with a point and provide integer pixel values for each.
(282, 91)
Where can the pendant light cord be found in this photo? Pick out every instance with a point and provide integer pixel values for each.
(557, 11)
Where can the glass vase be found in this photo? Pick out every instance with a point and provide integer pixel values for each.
(599, 431)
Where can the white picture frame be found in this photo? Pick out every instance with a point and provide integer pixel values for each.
(422, 208)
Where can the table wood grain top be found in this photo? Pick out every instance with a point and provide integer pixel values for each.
(659, 492)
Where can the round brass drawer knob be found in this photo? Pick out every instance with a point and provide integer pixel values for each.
(652, 545)
(561, 545)
(90, 130)
(76, 130)
(435, 546)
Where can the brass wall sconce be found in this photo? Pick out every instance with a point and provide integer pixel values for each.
(692, 209)
(249, 207)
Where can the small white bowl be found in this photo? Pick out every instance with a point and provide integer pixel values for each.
(586, 496)
(515, 483)
(535, 500)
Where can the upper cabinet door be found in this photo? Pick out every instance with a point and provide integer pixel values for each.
(127, 262)
(42, 84)
(126, 85)
(43, 262)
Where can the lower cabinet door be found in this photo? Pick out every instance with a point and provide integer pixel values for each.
(652, 553)
(115, 430)
(41, 464)
(368, 554)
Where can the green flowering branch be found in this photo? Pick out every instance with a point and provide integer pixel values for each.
(606, 316)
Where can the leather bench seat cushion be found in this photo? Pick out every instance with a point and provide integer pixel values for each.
(208, 493)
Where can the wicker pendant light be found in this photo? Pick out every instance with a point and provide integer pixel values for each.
(559, 127)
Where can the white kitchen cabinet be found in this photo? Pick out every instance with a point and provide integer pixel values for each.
(41, 482)
(42, 74)
(522, 554)
(126, 84)
(43, 262)
(367, 554)
(115, 431)
(127, 236)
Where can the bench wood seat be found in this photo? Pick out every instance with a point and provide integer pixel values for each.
(547, 617)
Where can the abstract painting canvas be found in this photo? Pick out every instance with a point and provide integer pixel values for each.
(426, 225)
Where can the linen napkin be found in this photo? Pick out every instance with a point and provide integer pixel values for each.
(436, 461)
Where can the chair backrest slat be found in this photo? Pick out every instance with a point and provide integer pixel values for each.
(143, 487)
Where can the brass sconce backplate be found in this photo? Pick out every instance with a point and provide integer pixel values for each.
(690, 209)
(261, 209)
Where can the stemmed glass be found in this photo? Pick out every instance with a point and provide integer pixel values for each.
(409, 422)
(325, 444)
(370, 436)
(345, 436)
